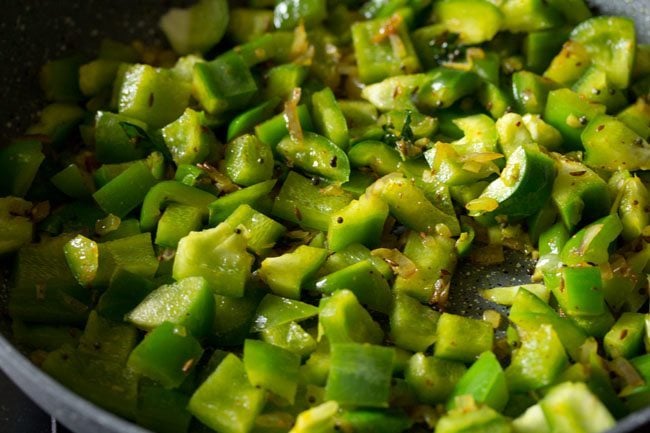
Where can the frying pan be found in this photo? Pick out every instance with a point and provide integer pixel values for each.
(33, 31)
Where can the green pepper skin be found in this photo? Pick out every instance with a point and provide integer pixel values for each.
(248, 160)
(485, 381)
(632, 152)
(153, 96)
(524, 185)
(360, 374)
(188, 303)
(167, 354)
(171, 191)
(317, 155)
(226, 401)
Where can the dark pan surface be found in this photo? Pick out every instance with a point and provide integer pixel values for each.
(33, 31)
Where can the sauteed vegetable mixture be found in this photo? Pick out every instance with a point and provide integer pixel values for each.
(257, 231)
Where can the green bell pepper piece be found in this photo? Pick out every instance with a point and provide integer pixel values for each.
(275, 311)
(538, 361)
(578, 193)
(43, 337)
(410, 206)
(275, 46)
(570, 114)
(380, 157)
(188, 139)
(171, 191)
(248, 24)
(162, 410)
(590, 244)
(16, 228)
(177, 221)
(304, 262)
(105, 383)
(444, 86)
(542, 133)
(132, 253)
(531, 91)
(97, 76)
(260, 231)
(435, 259)
(126, 191)
(362, 279)
(529, 311)
(59, 79)
(636, 117)
(82, 256)
(361, 221)
(125, 291)
(197, 28)
(523, 186)
(573, 407)
(377, 421)
(596, 87)
(625, 339)
(353, 254)
(226, 401)
(44, 289)
(107, 340)
(246, 121)
(481, 420)
(233, 317)
(188, 302)
(57, 121)
(319, 419)
(275, 129)
(253, 196)
(272, 368)
(167, 355)
(344, 320)
(484, 381)
(73, 182)
(248, 160)
(290, 336)
(224, 84)
(633, 208)
(541, 47)
(581, 291)
(495, 100)
(282, 79)
(360, 374)
(302, 202)
(154, 96)
(529, 15)
(433, 379)
(395, 93)
(219, 255)
(290, 13)
(611, 44)
(513, 133)
(412, 325)
(475, 21)
(329, 119)
(317, 155)
(630, 153)
(19, 164)
(506, 295)
(476, 336)
(382, 57)
(569, 64)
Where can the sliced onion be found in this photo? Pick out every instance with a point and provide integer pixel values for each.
(221, 181)
(401, 265)
(291, 116)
